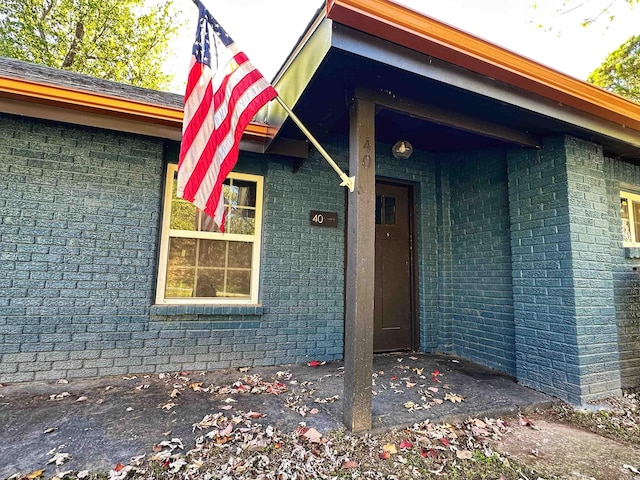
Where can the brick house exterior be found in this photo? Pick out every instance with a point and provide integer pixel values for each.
(520, 262)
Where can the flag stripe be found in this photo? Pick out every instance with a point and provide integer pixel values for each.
(234, 87)
(217, 108)
(226, 167)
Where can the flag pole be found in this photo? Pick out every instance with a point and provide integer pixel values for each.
(348, 182)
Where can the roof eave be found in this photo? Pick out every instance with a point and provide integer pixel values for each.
(70, 105)
(403, 26)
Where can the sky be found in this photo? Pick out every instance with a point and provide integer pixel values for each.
(267, 30)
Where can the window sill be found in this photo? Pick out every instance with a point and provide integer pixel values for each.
(206, 310)
(631, 252)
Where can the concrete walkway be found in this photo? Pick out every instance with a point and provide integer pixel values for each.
(105, 421)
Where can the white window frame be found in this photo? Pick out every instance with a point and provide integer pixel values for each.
(167, 233)
(631, 198)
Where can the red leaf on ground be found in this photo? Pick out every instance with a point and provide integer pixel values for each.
(313, 363)
(431, 453)
(118, 467)
(445, 442)
(435, 379)
(406, 444)
(393, 379)
(435, 373)
(525, 422)
(349, 464)
(384, 455)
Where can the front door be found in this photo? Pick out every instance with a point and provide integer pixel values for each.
(393, 304)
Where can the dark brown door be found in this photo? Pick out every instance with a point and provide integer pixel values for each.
(393, 319)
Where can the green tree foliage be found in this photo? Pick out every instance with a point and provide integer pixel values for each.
(620, 72)
(120, 40)
(593, 10)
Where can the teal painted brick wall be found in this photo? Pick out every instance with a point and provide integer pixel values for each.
(477, 290)
(563, 288)
(78, 230)
(626, 271)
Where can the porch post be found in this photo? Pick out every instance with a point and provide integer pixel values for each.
(358, 350)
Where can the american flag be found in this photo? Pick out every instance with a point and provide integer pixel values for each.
(217, 108)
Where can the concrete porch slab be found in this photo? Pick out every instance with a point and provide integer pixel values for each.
(105, 421)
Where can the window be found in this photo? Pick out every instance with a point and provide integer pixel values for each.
(630, 214)
(198, 263)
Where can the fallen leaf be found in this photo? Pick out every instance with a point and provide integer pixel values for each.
(156, 448)
(454, 398)
(418, 371)
(314, 411)
(384, 455)
(50, 430)
(82, 399)
(525, 422)
(349, 465)
(168, 406)
(313, 435)
(437, 401)
(243, 369)
(464, 454)
(315, 363)
(431, 453)
(118, 467)
(393, 378)
(129, 409)
(413, 358)
(433, 389)
(445, 442)
(195, 386)
(63, 381)
(435, 373)
(82, 474)
(174, 393)
(410, 405)
(59, 396)
(405, 444)
(480, 424)
(35, 474)
(390, 447)
(227, 430)
(410, 384)
(226, 407)
(59, 458)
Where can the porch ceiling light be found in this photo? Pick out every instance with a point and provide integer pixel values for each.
(402, 149)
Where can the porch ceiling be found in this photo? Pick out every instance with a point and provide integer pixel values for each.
(471, 110)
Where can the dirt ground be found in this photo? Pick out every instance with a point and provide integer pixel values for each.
(568, 452)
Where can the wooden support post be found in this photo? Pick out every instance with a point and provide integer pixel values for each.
(358, 350)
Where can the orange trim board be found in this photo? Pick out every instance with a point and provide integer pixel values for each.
(405, 27)
(39, 93)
